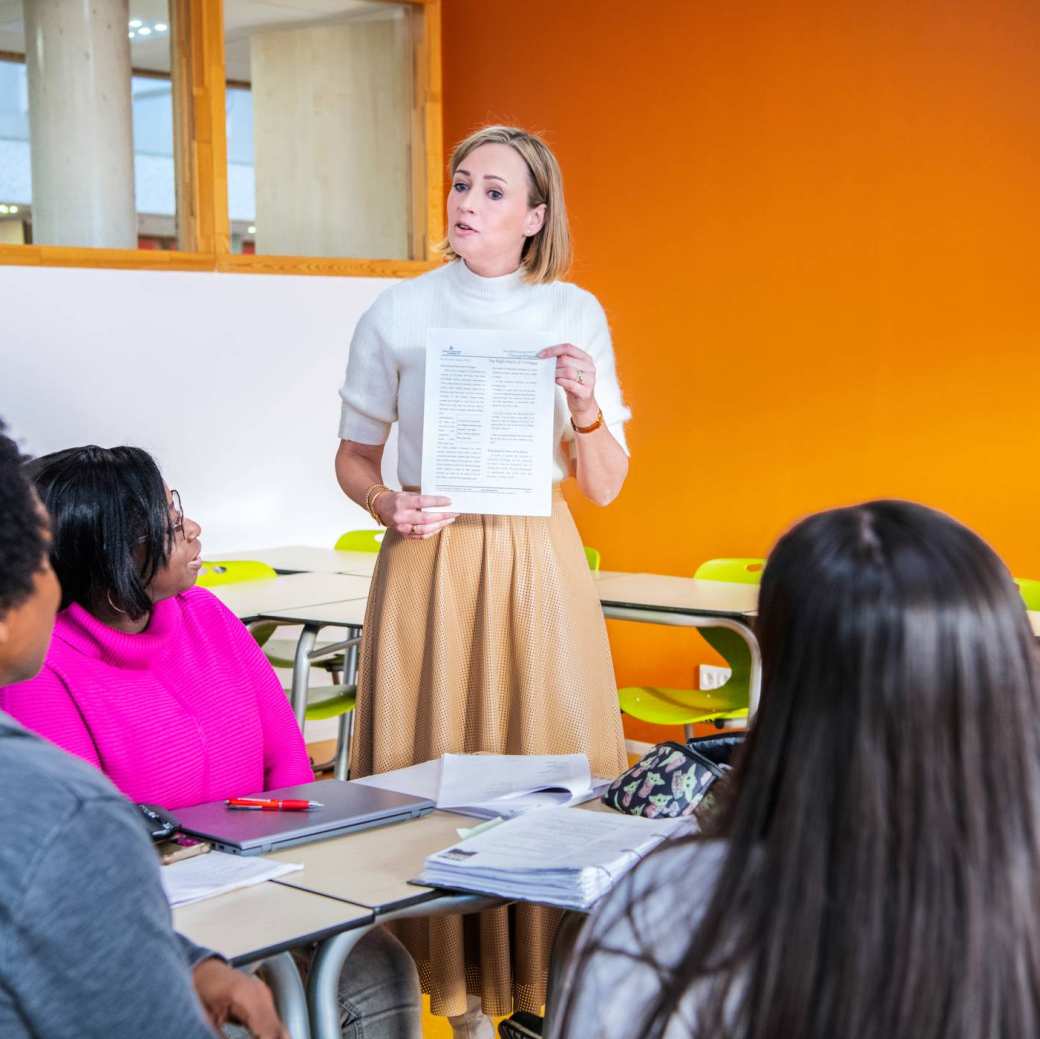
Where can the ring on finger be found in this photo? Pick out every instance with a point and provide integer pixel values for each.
(581, 377)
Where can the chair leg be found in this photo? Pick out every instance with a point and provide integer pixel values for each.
(687, 732)
(346, 730)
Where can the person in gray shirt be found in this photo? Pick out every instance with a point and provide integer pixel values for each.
(87, 946)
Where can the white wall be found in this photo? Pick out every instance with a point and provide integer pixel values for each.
(229, 380)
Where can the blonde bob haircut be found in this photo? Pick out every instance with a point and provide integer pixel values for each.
(546, 255)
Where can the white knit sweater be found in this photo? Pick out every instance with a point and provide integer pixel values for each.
(387, 363)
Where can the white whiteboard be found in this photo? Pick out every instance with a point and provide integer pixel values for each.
(229, 380)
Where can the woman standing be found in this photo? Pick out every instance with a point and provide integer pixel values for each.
(484, 633)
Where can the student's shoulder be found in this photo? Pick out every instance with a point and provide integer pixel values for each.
(200, 605)
(207, 620)
(51, 786)
(644, 900)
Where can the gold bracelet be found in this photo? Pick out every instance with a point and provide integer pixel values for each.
(588, 429)
(372, 497)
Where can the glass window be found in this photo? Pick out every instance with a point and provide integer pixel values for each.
(87, 138)
(320, 117)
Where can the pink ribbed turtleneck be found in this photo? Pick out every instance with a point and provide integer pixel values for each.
(187, 711)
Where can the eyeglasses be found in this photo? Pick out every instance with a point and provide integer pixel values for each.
(176, 511)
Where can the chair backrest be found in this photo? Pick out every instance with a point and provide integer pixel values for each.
(728, 644)
(1030, 589)
(232, 571)
(738, 571)
(592, 557)
(360, 541)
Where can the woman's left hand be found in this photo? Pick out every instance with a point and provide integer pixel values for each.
(576, 373)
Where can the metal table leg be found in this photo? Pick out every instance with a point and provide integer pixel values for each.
(346, 722)
(302, 671)
(323, 983)
(687, 620)
(290, 996)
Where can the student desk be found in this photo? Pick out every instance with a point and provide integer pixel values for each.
(293, 559)
(255, 600)
(248, 600)
(371, 870)
(347, 613)
(685, 602)
(264, 921)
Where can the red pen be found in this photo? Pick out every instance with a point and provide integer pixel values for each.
(269, 804)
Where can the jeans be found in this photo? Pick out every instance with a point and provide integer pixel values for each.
(378, 991)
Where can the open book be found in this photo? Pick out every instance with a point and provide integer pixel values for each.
(558, 856)
(495, 785)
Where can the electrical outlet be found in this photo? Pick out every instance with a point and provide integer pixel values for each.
(711, 677)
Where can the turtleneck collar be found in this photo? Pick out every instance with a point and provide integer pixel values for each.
(84, 632)
(491, 290)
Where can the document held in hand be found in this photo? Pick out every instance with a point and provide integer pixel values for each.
(488, 421)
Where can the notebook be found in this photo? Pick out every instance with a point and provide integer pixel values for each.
(346, 807)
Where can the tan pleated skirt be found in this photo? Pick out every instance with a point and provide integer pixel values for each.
(487, 637)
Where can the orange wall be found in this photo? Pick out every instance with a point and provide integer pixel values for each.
(814, 227)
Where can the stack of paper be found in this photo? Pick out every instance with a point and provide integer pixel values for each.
(216, 873)
(495, 785)
(557, 856)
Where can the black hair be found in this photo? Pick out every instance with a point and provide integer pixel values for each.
(23, 531)
(110, 523)
(881, 871)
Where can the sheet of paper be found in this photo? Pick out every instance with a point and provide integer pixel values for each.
(519, 779)
(488, 421)
(216, 873)
(422, 780)
(478, 779)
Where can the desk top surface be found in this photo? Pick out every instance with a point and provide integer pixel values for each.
(1034, 620)
(259, 921)
(372, 868)
(348, 613)
(309, 558)
(676, 594)
(252, 598)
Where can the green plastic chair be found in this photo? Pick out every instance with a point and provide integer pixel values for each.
(1030, 589)
(687, 707)
(216, 572)
(592, 557)
(335, 701)
(360, 541)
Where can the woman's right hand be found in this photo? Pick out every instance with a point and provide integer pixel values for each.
(403, 511)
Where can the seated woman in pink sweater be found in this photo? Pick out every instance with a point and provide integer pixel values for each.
(150, 679)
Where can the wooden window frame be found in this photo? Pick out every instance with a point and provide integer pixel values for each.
(200, 164)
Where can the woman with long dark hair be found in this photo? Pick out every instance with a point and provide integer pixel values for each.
(876, 872)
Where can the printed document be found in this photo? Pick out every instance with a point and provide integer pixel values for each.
(216, 873)
(560, 856)
(488, 421)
